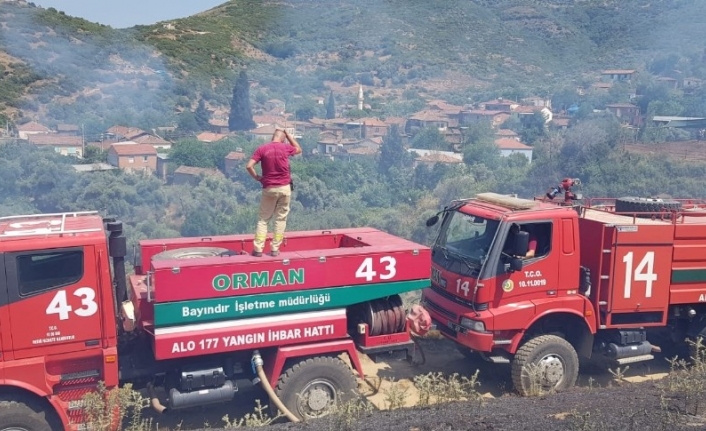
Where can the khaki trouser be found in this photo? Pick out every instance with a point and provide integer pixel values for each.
(274, 202)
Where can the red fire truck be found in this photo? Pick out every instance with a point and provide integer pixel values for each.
(542, 284)
(200, 318)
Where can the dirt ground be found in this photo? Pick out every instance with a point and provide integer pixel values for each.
(634, 404)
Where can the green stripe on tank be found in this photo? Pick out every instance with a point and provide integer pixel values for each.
(688, 275)
(236, 307)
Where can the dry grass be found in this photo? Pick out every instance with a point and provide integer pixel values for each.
(682, 401)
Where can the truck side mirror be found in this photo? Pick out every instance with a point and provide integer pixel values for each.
(521, 243)
(515, 264)
(431, 221)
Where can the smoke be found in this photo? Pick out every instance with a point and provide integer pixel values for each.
(86, 73)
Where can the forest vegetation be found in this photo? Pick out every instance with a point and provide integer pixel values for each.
(68, 70)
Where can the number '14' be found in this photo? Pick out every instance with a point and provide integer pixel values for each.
(462, 286)
(643, 272)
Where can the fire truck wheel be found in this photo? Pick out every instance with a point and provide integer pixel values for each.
(20, 416)
(190, 253)
(309, 388)
(544, 363)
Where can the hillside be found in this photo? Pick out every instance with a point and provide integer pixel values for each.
(463, 49)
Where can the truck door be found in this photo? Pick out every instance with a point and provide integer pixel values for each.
(540, 272)
(53, 300)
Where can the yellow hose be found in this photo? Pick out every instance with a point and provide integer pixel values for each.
(258, 362)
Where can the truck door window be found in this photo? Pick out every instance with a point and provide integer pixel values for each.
(41, 271)
(541, 233)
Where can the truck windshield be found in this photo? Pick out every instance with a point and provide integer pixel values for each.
(466, 237)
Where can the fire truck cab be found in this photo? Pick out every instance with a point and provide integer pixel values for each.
(539, 285)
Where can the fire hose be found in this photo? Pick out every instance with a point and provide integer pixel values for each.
(257, 363)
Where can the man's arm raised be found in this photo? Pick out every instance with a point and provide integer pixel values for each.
(295, 144)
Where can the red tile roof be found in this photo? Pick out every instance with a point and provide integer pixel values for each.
(124, 149)
(151, 139)
(511, 144)
(235, 155)
(268, 130)
(483, 112)
(210, 137)
(528, 109)
(427, 115)
(55, 140)
(374, 122)
(396, 120)
(126, 132)
(33, 126)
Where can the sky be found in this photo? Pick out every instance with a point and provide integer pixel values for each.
(128, 13)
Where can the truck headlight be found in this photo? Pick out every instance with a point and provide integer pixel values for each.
(473, 325)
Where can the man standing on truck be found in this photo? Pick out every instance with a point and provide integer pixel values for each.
(276, 180)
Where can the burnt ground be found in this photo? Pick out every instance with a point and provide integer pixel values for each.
(629, 406)
(599, 401)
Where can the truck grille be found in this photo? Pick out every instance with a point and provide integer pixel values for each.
(440, 310)
(447, 295)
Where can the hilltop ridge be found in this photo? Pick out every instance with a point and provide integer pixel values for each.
(297, 47)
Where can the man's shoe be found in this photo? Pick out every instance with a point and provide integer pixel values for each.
(274, 253)
(257, 253)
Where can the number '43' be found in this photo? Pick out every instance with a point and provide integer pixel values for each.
(60, 304)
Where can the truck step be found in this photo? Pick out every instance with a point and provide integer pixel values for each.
(81, 375)
(498, 360)
(633, 359)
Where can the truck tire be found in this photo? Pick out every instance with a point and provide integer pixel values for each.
(22, 416)
(645, 205)
(190, 253)
(309, 388)
(545, 363)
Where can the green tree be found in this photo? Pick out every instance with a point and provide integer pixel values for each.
(187, 122)
(240, 111)
(202, 115)
(94, 155)
(392, 152)
(190, 152)
(430, 138)
(330, 107)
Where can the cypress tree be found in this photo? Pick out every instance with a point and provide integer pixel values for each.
(202, 115)
(240, 112)
(330, 107)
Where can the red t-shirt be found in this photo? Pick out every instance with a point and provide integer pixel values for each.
(274, 159)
